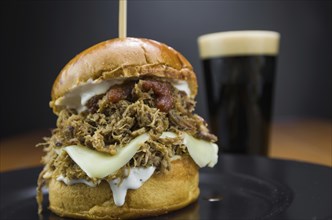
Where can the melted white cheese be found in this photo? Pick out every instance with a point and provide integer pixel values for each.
(204, 153)
(137, 176)
(79, 96)
(98, 165)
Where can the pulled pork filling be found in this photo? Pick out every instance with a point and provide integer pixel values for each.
(113, 119)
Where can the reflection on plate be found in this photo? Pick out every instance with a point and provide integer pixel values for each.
(224, 196)
(243, 197)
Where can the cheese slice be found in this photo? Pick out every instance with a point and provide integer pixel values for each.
(204, 153)
(99, 165)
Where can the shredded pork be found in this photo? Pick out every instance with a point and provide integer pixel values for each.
(113, 119)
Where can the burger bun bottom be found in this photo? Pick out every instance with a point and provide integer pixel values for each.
(162, 193)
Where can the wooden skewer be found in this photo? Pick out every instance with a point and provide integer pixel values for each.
(122, 18)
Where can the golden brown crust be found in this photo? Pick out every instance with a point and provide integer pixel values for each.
(124, 58)
(162, 193)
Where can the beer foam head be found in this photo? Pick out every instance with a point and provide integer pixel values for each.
(232, 43)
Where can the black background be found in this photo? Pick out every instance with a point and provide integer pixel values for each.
(39, 37)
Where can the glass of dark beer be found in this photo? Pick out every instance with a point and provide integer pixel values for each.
(239, 69)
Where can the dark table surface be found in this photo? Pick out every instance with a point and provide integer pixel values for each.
(240, 187)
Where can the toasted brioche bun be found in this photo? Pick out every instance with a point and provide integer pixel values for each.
(123, 58)
(162, 193)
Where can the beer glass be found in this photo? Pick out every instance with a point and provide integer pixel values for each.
(239, 69)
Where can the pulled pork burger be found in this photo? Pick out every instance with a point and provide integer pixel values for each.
(127, 143)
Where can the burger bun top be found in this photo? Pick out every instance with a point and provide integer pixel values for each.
(120, 59)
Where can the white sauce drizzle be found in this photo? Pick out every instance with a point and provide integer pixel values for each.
(80, 95)
(182, 85)
(75, 181)
(135, 179)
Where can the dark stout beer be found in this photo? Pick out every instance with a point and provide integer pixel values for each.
(240, 93)
(239, 88)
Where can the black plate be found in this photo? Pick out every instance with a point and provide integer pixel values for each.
(240, 187)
